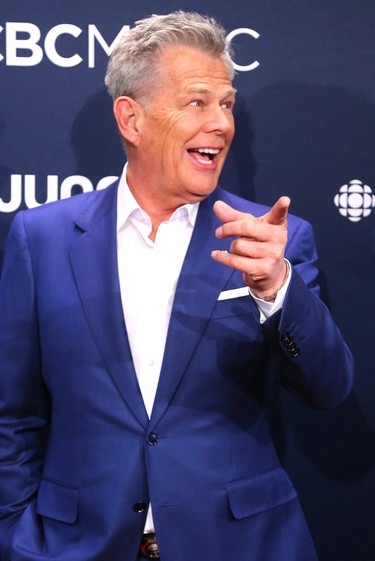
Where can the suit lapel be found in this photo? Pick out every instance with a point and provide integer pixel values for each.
(200, 282)
(94, 262)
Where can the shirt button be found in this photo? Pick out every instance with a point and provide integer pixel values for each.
(152, 362)
(152, 438)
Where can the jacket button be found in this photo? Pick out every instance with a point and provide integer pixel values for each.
(139, 507)
(285, 337)
(289, 344)
(294, 351)
(152, 438)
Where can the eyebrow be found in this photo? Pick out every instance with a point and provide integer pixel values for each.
(205, 91)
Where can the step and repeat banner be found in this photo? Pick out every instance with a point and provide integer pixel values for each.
(305, 119)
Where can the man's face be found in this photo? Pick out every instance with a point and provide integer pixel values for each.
(187, 126)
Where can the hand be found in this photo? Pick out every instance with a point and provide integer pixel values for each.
(258, 250)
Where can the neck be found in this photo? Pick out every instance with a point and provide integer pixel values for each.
(159, 208)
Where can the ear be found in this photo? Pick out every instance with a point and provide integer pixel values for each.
(127, 112)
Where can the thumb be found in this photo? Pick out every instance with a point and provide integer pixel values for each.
(278, 213)
(226, 213)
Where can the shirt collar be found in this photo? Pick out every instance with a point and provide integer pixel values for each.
(127, 205)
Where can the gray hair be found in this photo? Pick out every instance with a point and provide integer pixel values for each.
(132, 67)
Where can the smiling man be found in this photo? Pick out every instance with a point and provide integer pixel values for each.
(178, 136)
(137, 328)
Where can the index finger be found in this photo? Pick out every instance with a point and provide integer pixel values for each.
(278, 213)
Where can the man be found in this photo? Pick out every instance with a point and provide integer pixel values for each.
(137, 326)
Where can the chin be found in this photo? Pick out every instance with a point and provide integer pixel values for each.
(199, 194)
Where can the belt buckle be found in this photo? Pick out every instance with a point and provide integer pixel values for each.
(149, 547)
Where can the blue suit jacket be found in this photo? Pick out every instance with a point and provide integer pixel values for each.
(79, 459)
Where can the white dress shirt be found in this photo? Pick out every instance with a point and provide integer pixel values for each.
(148, 275)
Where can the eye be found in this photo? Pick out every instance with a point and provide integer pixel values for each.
(227, 104)
(196, 103)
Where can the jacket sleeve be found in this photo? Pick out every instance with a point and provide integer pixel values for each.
(23, 396)
(310, 353)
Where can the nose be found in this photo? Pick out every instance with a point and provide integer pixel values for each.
(219, 121)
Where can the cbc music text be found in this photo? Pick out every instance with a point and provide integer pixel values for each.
(25, 191)
(25, 45)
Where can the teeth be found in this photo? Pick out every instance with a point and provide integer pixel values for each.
(208, 150)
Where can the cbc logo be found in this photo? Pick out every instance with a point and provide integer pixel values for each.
(355, 200)
(24, 45)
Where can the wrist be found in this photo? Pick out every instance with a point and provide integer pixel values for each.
(267, 295)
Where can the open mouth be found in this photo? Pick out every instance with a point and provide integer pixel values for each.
(204, 156)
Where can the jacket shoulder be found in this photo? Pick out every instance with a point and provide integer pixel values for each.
(82, 206)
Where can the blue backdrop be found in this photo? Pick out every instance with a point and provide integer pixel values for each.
(305, 127)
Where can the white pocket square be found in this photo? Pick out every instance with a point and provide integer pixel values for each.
(234, 293)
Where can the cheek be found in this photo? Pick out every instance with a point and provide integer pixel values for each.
(168, 132)
(170, 139)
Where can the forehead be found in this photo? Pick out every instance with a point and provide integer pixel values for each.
(189, 68)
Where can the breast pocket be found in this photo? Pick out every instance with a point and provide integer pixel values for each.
(239, 306)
